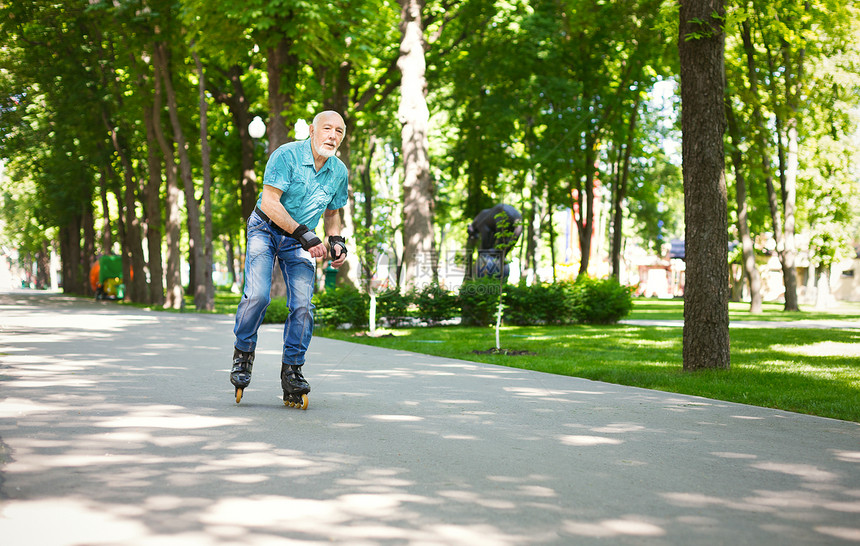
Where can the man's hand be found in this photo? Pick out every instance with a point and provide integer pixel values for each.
(338, 250)
(309, 241)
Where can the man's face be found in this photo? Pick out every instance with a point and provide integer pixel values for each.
(327, 135)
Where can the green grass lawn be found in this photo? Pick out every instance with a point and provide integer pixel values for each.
(813, 371)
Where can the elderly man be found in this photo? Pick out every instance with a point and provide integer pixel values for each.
(303, 182)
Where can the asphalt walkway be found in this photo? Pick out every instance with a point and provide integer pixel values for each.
(119, 426)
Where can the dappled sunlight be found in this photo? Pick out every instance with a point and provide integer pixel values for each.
(847, 456)
(68, 521)
(586, 441)
(613, 528)
(806, 472)
(22, 407)
(132, 436)
(169, 418)
(822, 348)
(618, 428)
(843, 533)
(396, 418)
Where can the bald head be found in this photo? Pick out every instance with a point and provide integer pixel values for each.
(328, 115)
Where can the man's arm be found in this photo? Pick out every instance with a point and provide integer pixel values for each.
(272, 207)
(331, 222)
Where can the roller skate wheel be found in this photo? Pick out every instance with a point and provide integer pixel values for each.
(296, 404)
(239, 393)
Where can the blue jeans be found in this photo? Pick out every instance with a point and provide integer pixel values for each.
(297, 266)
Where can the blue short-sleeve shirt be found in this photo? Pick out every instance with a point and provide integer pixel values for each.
(307, 193)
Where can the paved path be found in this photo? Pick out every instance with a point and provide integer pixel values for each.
(119, 426)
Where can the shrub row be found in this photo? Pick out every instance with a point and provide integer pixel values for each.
(586, 300)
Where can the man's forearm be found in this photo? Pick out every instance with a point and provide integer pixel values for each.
(331, 222)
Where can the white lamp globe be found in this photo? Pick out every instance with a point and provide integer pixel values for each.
(302, 131)
(257, 128)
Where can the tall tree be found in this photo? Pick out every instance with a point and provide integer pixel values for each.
(164, 66)
(701, 45)
(205, 158)
(414, 118)
(751, 272)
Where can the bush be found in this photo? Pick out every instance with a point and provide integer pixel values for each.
(392, 305)
(600, 301)
(536, 304)
(435, 304)
(277, 312)
(479, 301)
(341, 305)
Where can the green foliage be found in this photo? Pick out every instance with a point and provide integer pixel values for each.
(588, 300)
(341, 305)
(276, 313)
(600, 301)
(545, 303)
(527, 97)
(479, 299)
(392, 305)
(435, 304)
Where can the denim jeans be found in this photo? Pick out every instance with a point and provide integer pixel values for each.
(297, 266)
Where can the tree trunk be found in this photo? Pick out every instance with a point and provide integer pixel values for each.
(794, 74)
(194, 232)
(66, 233)
(174, 298)
(132, 244)
(152, 206)
(586, 207)
(370, 254)
(278, 58)
(89, 252)
(789, 268)
(237, 102)
(706, 298)
(231, 259)
(76, 281)
(43, 269)
(748, 258)
(414, 118)
(205, 158)
(242, 118)
(106, 232)
(620, 192)
(537, 213)
(823, 298)
(783, 233)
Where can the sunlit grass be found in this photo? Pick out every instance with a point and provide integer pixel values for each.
(657, 309)
(807, 375)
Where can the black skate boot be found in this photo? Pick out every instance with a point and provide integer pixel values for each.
(295, 387)
(240, 374)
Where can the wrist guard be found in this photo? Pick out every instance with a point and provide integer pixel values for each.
(306, 237)
(337, 246)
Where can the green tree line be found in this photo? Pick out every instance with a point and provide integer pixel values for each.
(124, 126)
